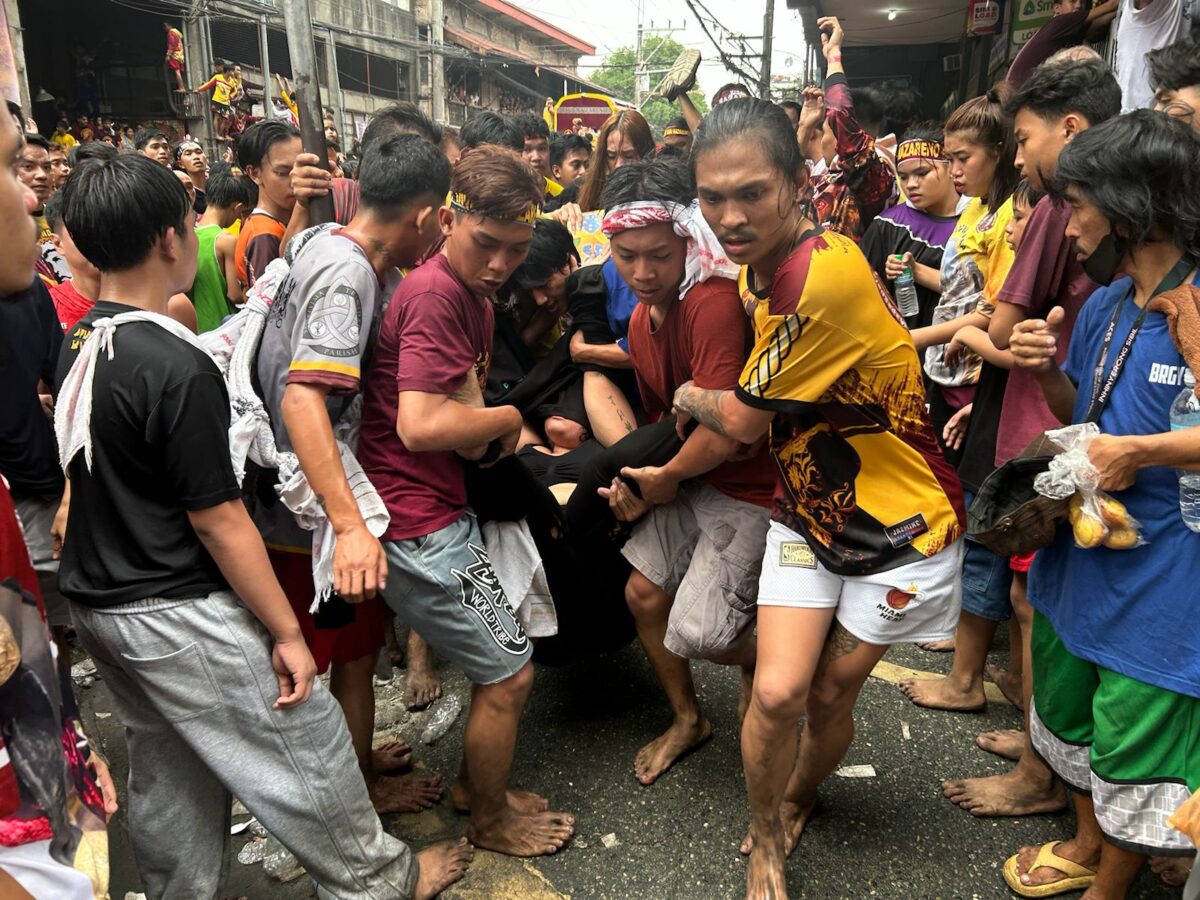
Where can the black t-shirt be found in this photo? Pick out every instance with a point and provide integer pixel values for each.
(979, 449)
(160, 447)
(30, 338)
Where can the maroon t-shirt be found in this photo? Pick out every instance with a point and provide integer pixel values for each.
(1045, 274)
(1059, 33)
(705, 338)
(433, 334)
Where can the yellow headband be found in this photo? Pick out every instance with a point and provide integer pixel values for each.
(460, 201)
(677, 132)
(918, 149)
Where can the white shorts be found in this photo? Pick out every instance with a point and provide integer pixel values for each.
(919, 601)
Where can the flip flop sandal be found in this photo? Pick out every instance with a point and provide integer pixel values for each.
(681, 77)
(1075, 877)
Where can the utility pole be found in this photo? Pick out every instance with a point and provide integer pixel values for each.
(265, 58)
(637, 60)
(335, 92)
(764, 84)
(298, 21)
(437, 62)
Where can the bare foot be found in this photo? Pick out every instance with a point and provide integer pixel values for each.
(440, 865)
(407, 794)
(1009, 684)
(941, 693)
(1009, 743)
(1010, 794)
(1048, 874)
(394, 756)
(794, 816)
(523, 803)
(668, 748)
(422, 685)
(946, 646)
(764, 876)
(517, 835)
(1173, 870)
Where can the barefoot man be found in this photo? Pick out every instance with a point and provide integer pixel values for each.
(696, 556)
(309, 365)
(437, 334)
(864, 545)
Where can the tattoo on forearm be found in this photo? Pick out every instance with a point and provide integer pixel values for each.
(321, 501)
(705, 407)
(840, 642)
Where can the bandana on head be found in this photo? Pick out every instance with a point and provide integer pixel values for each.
(705, 256)
(461, 201)
(184, 147)
(920, 149)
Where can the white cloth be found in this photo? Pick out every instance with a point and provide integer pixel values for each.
(42, 876)
(705, 255)
(1158, 24)
(73, 411)
(518, 566)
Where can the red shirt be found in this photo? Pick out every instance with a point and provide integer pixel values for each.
(435, 333)
(1044, 274)
(70, 305)
(704, 338)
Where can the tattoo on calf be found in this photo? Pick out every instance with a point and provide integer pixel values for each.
(840, 642)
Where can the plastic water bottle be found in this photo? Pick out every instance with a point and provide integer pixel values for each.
(1185, 413)
(906, 291)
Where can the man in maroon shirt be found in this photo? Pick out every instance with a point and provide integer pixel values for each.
(697, 553)
(422, 415)
(1055, 103)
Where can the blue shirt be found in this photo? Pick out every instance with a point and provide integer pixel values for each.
(620, 304)
(1136, 612)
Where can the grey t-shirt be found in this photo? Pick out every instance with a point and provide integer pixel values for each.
(318, 332)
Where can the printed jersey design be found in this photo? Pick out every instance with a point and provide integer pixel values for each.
(835, 364)
(333, 321)
(483, 596)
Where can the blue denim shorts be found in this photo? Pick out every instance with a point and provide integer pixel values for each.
(986, 581)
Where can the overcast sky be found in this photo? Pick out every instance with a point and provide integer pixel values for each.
(613, 23)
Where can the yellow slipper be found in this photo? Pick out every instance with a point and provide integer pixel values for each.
(1075, 877)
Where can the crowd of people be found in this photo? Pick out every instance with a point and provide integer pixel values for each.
(240, 441)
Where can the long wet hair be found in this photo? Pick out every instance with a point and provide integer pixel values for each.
(982, 122)
(1142, 171)
(767, 125)
(631, 124)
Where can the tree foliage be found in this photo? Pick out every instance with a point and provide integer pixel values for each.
(616, 74)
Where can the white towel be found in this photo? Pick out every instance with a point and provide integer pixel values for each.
(518, 566)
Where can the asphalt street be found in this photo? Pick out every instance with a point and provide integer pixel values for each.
(888, 836)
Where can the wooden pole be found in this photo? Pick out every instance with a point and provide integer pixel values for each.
(298, 21)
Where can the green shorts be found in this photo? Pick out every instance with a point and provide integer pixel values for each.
(1134, 747)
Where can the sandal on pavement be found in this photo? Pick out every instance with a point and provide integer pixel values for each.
(1075, 877)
